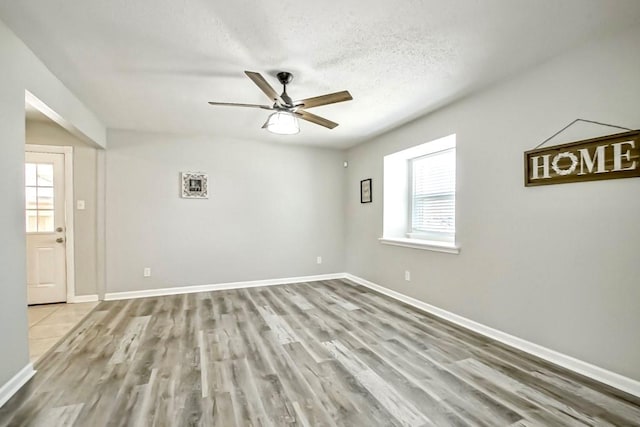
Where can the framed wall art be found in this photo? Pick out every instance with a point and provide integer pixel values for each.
(195, 185)
(365, 191)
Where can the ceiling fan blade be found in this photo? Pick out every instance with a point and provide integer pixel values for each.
(235, 104)
(305, 115)
(265, 87)
(331, 98)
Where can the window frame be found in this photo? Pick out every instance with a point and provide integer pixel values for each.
(397, 199)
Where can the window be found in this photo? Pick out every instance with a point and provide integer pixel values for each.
(419, 196)
(433, 194)
(39, 197)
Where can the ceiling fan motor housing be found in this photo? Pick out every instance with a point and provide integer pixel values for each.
(284, 77)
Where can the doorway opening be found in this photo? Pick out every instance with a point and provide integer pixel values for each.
(60, 292)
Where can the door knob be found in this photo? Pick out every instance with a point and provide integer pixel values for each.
(60, 240)
(59, 229)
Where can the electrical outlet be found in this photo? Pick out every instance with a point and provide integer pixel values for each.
(147, 272)
(80, 204)
(319, 260)
(407, 275)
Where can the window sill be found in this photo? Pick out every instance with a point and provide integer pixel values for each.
(427, 245)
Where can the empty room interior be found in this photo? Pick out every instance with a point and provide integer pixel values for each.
(338, 213)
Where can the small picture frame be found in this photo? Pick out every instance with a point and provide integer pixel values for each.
(195, 185)
(365, 191)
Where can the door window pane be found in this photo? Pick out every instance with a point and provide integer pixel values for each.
(31, 198)
(45, 198)
(45, 175)
(30, 174)
(45, 221)
(32, 221)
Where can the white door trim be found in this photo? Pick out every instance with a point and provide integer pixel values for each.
(68, 209)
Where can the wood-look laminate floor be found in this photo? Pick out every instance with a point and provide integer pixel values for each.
(318, 354)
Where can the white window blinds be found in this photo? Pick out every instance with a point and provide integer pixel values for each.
(433, 195)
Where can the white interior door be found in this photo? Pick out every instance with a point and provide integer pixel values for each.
(45, 219)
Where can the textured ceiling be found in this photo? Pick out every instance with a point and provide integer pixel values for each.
(153, 64)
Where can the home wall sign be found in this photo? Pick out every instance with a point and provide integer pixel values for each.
(607, 157)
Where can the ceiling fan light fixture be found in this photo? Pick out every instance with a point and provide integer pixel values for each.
(283, 123)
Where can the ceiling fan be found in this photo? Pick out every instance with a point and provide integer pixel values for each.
(284, 119)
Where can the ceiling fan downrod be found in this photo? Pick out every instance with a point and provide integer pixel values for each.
(285, 78)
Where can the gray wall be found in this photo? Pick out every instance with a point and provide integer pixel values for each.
(21, 71)
(85, 188)
(272, 209)
(555, 265)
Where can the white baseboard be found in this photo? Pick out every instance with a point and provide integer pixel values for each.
(618, 381)
(14, 384)
(111, 296)
(82, 298)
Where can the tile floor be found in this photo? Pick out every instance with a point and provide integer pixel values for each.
(48, 323)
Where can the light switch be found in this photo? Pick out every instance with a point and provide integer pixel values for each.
(80, 204)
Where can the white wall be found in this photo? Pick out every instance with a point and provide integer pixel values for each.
(85, 159)
(555, 265)
(21, 71)
(272, 209)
